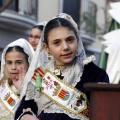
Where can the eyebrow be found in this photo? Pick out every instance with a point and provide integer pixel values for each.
(11, 60)
(65, 38)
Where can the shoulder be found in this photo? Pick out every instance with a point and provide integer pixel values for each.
(90, 66)
(94, 73)
(93, 68)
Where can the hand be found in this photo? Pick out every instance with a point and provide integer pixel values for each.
(18, 80)
(29, 117)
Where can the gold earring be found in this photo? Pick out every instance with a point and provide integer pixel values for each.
(49, 53)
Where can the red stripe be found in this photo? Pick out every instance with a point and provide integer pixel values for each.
(60, 96)
(10, 100)
(34, 78)
(41, 70)
(62, 93)
(38, 70)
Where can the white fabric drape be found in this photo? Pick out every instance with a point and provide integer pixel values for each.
(114, 12)
(112, 43)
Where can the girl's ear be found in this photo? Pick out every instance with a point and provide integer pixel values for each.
(46, 47)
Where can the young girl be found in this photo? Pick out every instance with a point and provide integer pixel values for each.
(69, 68)
(35, 34)
(16, 58)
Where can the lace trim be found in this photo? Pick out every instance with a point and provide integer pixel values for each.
(4, 113)
(89, 59)
(25, 111)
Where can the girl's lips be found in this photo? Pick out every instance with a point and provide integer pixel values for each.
(14, 73)
(66, 55)
(33, 45)
(14, 76)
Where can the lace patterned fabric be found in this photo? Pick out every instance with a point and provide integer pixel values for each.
(4, 113)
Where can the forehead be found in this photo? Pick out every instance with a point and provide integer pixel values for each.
(14, 55)
(36, 30)
(60, 32)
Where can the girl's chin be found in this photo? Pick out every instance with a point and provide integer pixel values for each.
(14, 80)
(14, 77)
(68, 61)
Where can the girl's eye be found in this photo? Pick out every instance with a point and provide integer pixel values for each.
(8, 62)
(71, 39)
(19, 62)
(56, 42)
(35, 37)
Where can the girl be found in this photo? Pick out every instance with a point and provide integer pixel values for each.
(16, 58)
(35, 34)
(69, 66)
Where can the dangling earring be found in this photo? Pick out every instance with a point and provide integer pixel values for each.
(77, 51)
(49, 55)
(76, 54)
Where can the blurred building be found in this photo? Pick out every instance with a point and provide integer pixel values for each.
(16, 20)
(21, 15)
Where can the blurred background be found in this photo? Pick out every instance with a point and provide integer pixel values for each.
(17, 17)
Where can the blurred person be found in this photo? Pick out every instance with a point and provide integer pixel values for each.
(35, 34)
(16, 58)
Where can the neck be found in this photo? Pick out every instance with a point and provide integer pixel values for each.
(60, 66)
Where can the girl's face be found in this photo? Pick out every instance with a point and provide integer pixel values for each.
(62, 44)
(34, 37)
(15, 61)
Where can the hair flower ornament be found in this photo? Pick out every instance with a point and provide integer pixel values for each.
(68, 17)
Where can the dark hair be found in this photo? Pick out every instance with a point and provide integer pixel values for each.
(40, 27)
(18, 49)
(57, 22)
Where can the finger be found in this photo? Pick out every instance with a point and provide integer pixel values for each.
(21, 73)
(14, 77)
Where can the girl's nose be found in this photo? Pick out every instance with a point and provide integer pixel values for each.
(13, 66)
(65, 46)
(33, 39)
